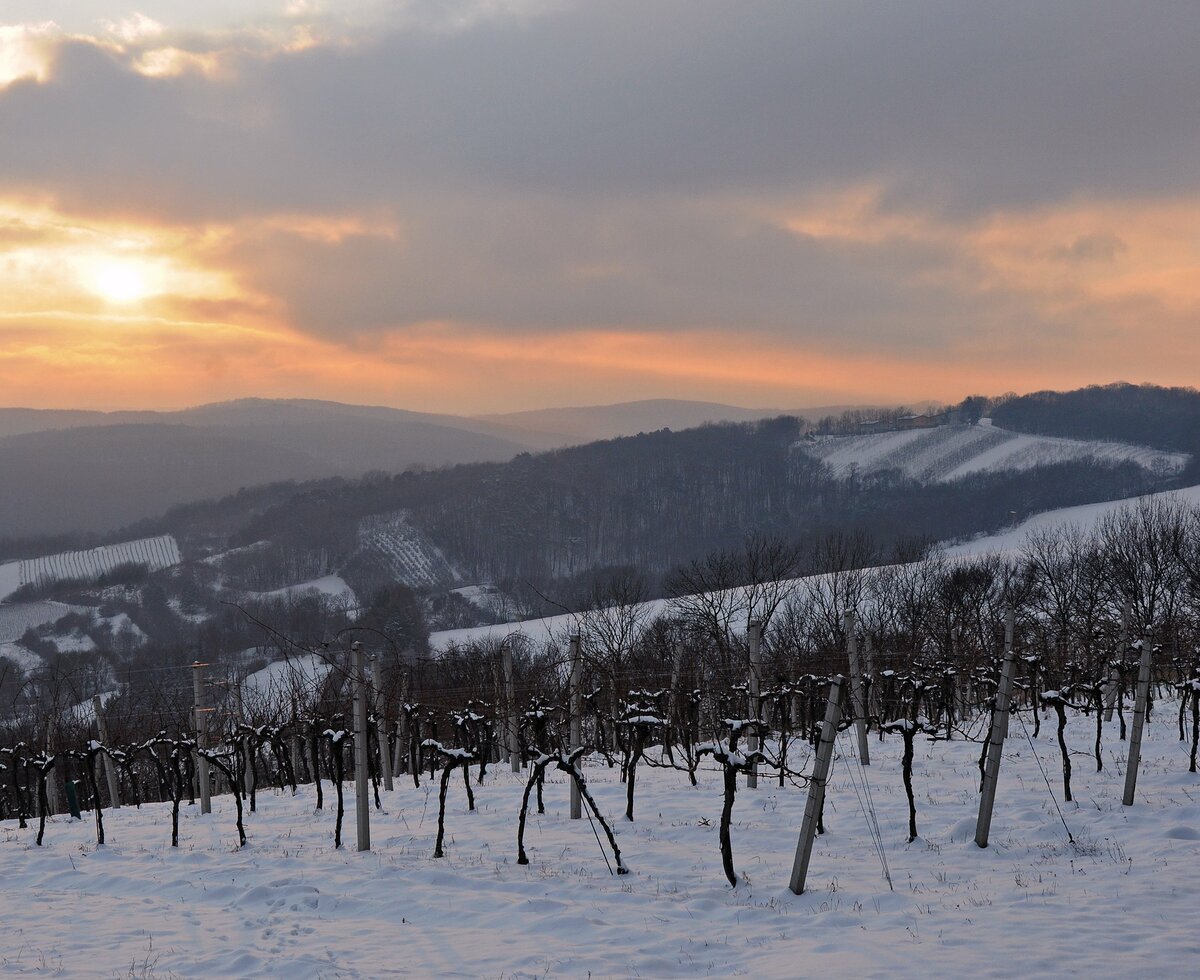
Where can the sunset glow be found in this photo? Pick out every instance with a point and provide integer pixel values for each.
(219, 208)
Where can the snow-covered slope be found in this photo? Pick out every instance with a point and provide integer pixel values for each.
(555, 628)
(18, 617)
(952, 451)
(155, 553)
(277, 683)
(1085, 516)
(332, 586)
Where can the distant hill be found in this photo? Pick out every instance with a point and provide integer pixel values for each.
(64, 471)
(96, 471)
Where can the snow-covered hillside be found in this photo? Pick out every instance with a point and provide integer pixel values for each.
(1085, 517)
(155, 553)
(16, 618)
(952, 451)
(549, 629)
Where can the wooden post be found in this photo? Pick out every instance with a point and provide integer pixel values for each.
(201, 712)
(857, 707)
(362, 736)
(514, 754)
(385, 751)
(754, 641)
(999, 728)
(1139, 721)
(110, 770)
(576, 719)
(816, 787)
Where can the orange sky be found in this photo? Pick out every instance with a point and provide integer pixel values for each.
(130, 282)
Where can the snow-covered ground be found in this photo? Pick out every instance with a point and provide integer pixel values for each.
(278, 682)
(1085, 517)
(332, 586)
(25, 659)
(1122, 902)
(17, 617)
(952, 451)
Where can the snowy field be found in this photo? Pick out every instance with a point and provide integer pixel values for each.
(1122, 902)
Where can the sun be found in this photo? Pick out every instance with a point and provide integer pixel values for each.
(120, 281)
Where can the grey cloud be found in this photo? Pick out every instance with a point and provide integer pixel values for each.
(547, 264)
(968, 104)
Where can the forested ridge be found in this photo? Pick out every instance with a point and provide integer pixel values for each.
(1146, 415)
(659, 499)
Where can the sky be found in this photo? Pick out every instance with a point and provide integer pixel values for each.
(488, 205)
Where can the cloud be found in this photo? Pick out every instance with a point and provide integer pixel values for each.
(922, 180)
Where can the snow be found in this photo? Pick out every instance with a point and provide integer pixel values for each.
(1085, 517)
(27, 660)
(16, 618)
(155, 553)
(10, 579)
(276, 683)
(289, 905)
(122, 623)
(952, 451)
(328, 585)
(85, 711)
(74, 642)
(409, 552)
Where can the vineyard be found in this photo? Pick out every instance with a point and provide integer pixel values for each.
(938, 755)
(408, 553)
(952, 451)
(154, 553)
(289, 902)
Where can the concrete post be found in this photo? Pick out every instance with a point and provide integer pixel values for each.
(385, 750)
(362, 736)
(576, 718)
(754, 641)
(110, 769)
(201, 711)
(857, 706)
(514, 753)
(1139, 721)
(816, 787)
(991, 772)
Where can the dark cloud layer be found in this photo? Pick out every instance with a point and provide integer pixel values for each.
(974, 104)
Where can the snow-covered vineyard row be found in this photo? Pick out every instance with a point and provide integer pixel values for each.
(953, 451)
(1119, 900)
(155, 553)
